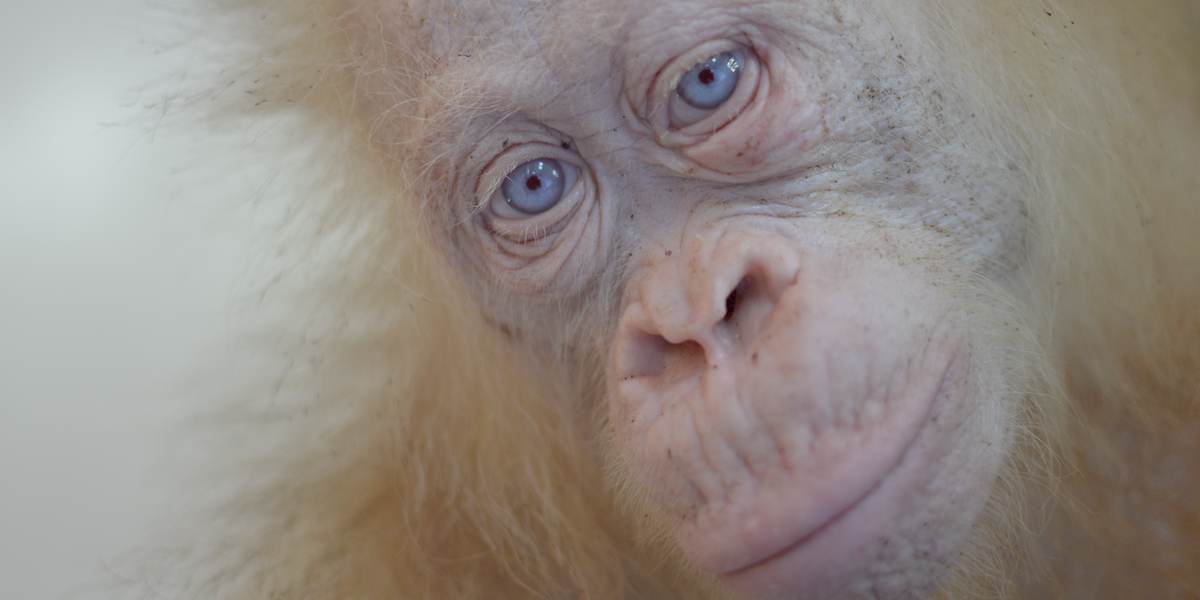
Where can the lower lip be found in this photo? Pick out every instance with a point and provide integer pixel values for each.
(811, 558)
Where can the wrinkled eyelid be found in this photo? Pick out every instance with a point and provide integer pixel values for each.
(487, 187)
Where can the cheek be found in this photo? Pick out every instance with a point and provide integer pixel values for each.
(903, 538)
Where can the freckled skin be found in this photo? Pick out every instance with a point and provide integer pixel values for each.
(795, 373)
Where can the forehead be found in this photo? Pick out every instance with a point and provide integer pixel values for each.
(430, 67)
(451, 33)
(434, 56)
(452, 30)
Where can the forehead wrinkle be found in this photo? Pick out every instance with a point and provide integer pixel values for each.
(527, 65)
(456, 29)
(493, 83)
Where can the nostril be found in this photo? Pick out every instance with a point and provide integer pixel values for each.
(730, 304)
(734, 299)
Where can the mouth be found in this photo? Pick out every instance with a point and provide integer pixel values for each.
(805, 539)
(810, 559)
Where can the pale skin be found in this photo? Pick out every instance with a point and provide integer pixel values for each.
(799, 373)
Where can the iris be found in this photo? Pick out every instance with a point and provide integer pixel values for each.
(534, 187)
(710, 83)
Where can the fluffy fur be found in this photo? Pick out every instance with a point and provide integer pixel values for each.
(406, 453)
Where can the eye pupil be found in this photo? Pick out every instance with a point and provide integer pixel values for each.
(706, 76)
(534, 187)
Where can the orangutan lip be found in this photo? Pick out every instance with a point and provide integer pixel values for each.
(807, 537)
(812, 534)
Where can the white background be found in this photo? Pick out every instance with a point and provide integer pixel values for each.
(115, 276)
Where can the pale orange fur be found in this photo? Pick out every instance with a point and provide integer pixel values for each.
(416, 456)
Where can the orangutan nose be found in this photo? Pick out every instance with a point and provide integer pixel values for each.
(703, 306)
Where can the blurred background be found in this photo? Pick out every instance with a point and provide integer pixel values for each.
(116, 270)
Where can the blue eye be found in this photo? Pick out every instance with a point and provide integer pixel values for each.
(534, 187)
(710, 83)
